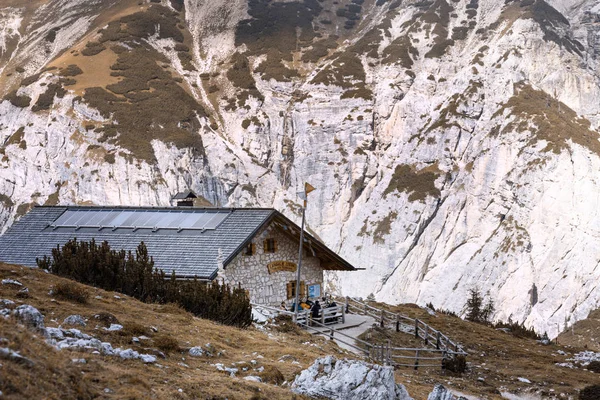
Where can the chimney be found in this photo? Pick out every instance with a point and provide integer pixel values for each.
(184, 199)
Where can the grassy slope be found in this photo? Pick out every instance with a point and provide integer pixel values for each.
(584, 333)
(497, 357)
(55, 376)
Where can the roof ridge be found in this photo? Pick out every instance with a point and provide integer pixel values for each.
(158, 208)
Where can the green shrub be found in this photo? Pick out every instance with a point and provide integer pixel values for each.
(120, 271)
(594, 366)
(457, 364)
(590, 393)
(518, 330)
(93, 48)
(30, 79)
(475, 308)
(71, 70)
(72, 292)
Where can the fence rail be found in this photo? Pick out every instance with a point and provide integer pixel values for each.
(429, 335)
(382, 353)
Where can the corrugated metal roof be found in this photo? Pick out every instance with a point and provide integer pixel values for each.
(188, 252)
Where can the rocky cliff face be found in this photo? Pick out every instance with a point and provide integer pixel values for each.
(454, 143)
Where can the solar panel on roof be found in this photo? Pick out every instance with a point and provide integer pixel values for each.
(141, 219)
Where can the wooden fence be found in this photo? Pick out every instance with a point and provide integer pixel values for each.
(382, 353)
(430, 336)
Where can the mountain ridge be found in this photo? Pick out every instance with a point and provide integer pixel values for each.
(447, 151)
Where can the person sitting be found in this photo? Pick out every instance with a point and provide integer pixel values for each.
(315, 309)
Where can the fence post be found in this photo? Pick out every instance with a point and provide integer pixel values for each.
(331, 334)
(437, 341)
(347, 304)
(389, 352)
(417, 328)
(323, 316)
(382, 322)
(344, 311)
(426, 334)
(443, 360)
(397, 323)
(416, 359)
(365, 304)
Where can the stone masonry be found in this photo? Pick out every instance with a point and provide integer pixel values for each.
(252, 273)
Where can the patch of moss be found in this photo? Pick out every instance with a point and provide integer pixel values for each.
(384, 227)
(417, 184)
(146, 104)
(71, 70)
(241, 77)
(16, 138)
(549, 120)
(46, 99)
(361, 92)
(400, 51)
(344, 72)
(18, 101)
(30, 79)
(272, 68)
(109, 158)
(6, 201)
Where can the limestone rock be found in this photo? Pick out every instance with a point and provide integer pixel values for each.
(74, 320)
(196, 351)
(29, 316)
(336, 379)
(441, 393)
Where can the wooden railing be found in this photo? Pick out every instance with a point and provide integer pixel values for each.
(382, 353)
(429, 335)
(306, 322)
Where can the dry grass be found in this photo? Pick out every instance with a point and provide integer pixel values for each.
(55, 376)
(71, 291)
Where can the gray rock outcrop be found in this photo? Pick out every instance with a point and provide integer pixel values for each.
(441, 393)
(30, 316)
(337, 379)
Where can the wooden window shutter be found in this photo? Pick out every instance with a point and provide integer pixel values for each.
(302, 289)
(266, 245)
(274, 245)
(289, 290)
(253, 248)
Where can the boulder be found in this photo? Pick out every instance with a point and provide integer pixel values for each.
(7, 303)
(30, 316)
(74, 320)
(331, 378)
(196, 352)
(441, 393)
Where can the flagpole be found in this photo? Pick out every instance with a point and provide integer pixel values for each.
(299, 264)
(304, 195)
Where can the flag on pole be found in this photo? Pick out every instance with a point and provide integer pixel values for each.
(308, 188)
